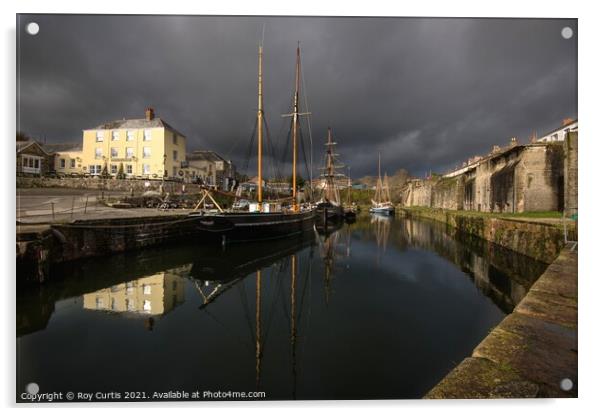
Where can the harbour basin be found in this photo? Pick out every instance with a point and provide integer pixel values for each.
(382, 308)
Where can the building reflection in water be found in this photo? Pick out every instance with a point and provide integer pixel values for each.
(501, 274)
(151, 295)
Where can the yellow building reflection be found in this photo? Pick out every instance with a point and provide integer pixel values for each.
(151, 295)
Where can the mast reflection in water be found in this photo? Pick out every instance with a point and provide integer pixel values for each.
(383, 308)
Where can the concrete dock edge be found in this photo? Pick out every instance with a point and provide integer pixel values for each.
(532, 352)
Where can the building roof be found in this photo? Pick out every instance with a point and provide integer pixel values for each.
(22, 145)
(204, 155)
(62, 147)
(136, 123)
(560, 128)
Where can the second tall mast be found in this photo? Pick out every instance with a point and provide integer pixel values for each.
(260, 127)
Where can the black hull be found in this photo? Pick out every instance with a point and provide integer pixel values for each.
(241, 227)
(241, 260)
(329, 213)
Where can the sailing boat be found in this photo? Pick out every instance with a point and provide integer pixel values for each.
(264, 219)
(350, 209)
(381, 204)
(329, 208)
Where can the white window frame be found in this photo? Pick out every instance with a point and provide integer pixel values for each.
(148, 135)
(95, 169)
(147, 289)
(113, 169)
(130, 136)
(28, 164)
(128, 169)
(146, 152)
(115, 135)
(146, 169)
(129, 152)
(98, 153)
(114, 152)
(100, 136)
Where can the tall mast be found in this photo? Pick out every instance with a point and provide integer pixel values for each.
(260, 127)
(296, 127)
(379, 183)
(348, 185)
(329, 169)
(331, 191)
(387, 193)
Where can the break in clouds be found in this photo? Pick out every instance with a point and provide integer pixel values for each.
(425, 92)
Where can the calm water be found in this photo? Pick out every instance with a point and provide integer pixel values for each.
(383, 308)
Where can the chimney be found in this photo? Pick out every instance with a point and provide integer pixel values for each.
(567, 121)
(149, 113)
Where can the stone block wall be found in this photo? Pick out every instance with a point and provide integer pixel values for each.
(417, 194)
(519, 179)
(447, 193)
(540, 178)
(570, 173)
(96, 183)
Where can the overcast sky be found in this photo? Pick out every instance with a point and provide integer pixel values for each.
(426, 92)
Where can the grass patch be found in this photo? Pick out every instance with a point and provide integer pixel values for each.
(532, 214)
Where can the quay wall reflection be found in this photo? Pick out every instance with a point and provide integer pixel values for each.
(501, 274)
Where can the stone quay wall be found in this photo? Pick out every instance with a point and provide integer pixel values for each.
(532, 352)
(537, 240)
(95, 183)
(39, 249)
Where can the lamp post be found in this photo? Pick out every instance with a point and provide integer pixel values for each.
(164, 173)
(135, 160)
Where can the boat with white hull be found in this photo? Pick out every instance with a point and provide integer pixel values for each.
(381, 204)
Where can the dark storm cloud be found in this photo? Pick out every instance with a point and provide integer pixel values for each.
(427, 93)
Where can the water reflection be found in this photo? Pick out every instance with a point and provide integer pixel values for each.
(382, 308)
(151, 295)
(501, 274)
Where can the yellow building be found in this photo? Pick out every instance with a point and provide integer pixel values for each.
(67, 158)
(151, 295)
(147, 148)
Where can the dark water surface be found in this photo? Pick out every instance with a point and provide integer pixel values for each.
(383, 308)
